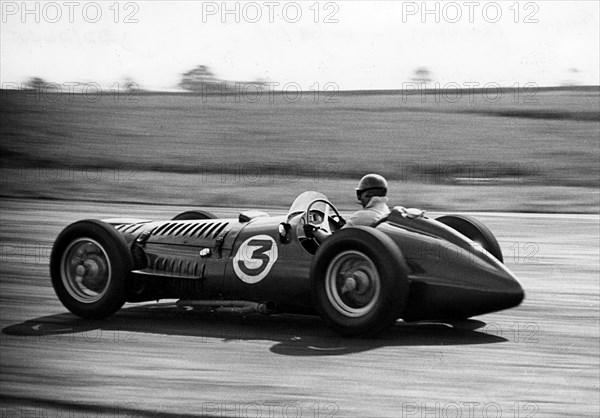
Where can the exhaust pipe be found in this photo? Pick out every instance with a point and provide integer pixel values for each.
(231, 306)
(267, 307)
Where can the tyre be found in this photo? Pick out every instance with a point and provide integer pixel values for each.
(89, 265)
(359, 281)
(474, 230)
(194, 215)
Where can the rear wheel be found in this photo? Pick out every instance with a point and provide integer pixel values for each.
(89, 265)
(194, 215)
(474, 230)
(359, 281)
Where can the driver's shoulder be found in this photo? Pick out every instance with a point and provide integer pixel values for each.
(364, 217)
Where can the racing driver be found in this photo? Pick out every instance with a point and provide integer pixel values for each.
(371, 192)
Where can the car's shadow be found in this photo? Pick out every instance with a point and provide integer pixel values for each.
(294, 335)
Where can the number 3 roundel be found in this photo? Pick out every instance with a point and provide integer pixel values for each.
(254, 258)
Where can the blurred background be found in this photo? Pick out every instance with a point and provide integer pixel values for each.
(146, 109)
(487, 107)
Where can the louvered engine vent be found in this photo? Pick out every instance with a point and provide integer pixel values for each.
(128, 228)
(206, 229)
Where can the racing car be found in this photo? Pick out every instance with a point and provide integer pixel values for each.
(359, 279)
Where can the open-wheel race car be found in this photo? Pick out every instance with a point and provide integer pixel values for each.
(359, 279)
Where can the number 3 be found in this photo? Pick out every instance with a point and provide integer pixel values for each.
(255, 258)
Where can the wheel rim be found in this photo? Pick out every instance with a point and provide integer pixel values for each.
(352, 284)
(85, 270)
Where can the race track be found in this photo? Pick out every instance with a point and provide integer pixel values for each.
(540, 359)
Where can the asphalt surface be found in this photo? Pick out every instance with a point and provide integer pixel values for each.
(539, 359)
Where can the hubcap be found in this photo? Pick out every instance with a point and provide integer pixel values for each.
(85, 270)
(352, 284)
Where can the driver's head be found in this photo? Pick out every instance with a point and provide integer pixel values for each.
(369, 186)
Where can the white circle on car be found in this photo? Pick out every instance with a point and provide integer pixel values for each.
(255, 258)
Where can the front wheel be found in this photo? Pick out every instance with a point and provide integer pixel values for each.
(359, 281)
(89, 264)
(475, 230)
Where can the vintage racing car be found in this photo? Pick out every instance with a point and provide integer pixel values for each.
(359, 279)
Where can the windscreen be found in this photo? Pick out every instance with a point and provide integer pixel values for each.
(301, 204)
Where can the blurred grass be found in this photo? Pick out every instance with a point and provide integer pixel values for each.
(532, 150)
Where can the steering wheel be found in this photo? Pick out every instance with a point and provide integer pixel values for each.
(317, 218)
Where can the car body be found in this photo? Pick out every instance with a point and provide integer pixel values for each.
(359, 279)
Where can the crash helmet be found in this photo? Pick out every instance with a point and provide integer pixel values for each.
(371, 182)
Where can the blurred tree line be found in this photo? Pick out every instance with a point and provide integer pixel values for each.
(202, 79)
